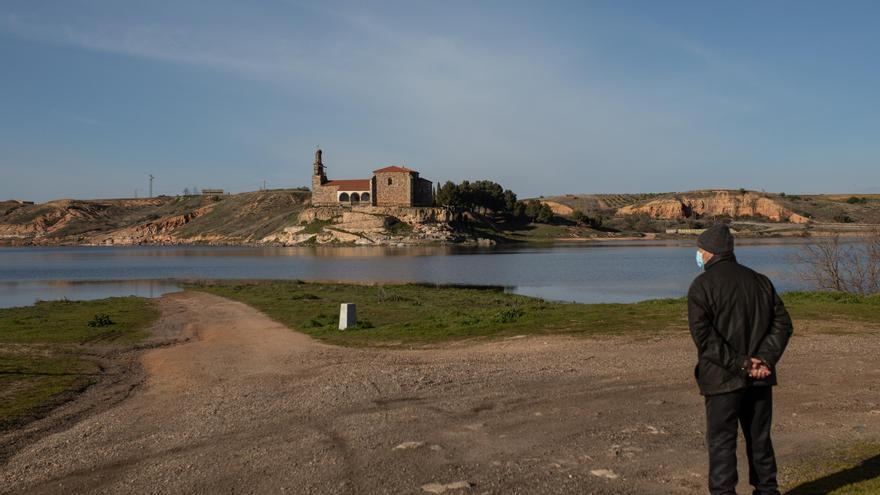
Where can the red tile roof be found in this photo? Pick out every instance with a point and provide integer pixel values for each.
(350, 184)
(394, 168)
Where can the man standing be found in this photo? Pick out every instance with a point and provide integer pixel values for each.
(741, 328)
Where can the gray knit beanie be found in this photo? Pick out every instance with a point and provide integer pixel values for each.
(717, 239)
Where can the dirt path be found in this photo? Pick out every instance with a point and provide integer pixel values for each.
(248, 406)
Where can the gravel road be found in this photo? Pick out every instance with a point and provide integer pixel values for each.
(241, 404)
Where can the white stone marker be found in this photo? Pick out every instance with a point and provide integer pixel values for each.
(347, 315)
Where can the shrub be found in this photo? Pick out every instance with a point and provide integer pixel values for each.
(385, 295)
(316, 226)
(398, 227)
(303, 295)
(101, 320)
(468, 320)
(508, 315)
(313, 323)
(538, 212)
(584, 219)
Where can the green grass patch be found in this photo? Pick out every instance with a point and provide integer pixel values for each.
(315, 226)
(830, 306)
(43, 349)
(851, 471)
(426, 314)
(67, 322)
(546, 232)
(418, 314)
(30, 384)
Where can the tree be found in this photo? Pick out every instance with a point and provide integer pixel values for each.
(447, 195)
(483, 195)
(827, 263)
(510, 202)
(538, 212)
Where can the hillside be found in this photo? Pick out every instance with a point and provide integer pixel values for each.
(278, 217)
(286, 217)
(599, 203)
(230, 219)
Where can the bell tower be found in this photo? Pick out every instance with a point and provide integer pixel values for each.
(319, 178)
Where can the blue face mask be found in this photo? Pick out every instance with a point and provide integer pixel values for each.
(700, 261)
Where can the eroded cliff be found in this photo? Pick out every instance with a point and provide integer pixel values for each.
(734, 204)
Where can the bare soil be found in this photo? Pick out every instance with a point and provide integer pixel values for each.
(241, 404)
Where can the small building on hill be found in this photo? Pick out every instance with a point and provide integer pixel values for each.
(389, 186)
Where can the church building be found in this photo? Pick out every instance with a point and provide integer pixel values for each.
(389, 186)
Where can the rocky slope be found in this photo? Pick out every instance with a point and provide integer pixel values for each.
(369, 225)
(827, 209)
(281, 217)
(734, 204)
(68, 218)
(232, 219)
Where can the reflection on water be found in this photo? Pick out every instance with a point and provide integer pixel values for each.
(589, 272)
(28, 292)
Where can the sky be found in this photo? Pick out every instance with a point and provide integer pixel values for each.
(543, 97)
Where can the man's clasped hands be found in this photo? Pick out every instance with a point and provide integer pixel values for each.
(758, 369)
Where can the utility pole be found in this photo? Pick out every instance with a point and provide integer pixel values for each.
(151, 185)
(264, 185)
(135, 194)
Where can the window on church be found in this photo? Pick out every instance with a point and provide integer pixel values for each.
(389, 181)
(343, 198)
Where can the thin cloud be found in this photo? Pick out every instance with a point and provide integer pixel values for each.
(474, 106)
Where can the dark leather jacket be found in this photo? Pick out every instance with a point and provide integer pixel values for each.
(734, 314)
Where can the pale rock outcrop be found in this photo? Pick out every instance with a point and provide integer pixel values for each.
(732, 203)
(363, 222)
(368, 225)
(410, 215)
(288, 235)
(159, 231)
(328, 236)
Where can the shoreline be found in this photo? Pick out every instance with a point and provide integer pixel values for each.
(750, 237)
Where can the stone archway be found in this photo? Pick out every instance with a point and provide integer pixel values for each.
(343, 198)
(365, 197)
(355, 198)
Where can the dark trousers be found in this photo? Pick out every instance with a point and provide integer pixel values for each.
(752, 408)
